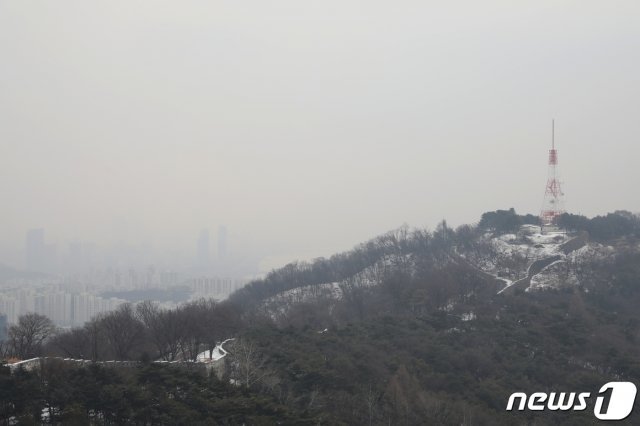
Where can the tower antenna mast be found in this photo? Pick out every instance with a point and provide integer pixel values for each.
(553, 203)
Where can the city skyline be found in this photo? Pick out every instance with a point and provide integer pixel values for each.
(42, 256)
(294, 125)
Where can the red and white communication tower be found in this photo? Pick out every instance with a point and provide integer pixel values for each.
(553, 204)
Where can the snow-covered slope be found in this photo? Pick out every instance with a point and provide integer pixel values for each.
(534, 261)
(371, 276)
(528, 260)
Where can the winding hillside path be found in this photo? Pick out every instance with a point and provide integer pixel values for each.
(541, 264)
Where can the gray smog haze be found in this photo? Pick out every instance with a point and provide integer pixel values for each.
(306, 127)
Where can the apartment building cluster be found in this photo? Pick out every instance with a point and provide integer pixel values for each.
(214, 287)
(65, 309)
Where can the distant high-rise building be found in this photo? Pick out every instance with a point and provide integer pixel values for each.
(168, 278)
(50, 257)
(150, 279)
(222, 242)
(35, 250)
(203, 249)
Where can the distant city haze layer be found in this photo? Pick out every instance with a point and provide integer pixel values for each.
(304, 128)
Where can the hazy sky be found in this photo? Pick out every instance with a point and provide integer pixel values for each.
(307, 126)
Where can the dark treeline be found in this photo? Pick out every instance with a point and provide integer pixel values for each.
(503, 221)
(129, 333)
(602, 228)
(148, 394)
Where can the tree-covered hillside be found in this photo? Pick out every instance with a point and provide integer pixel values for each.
(412, 327)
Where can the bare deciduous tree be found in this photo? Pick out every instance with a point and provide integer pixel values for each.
(5, 350)
(26, 337)
(208, 324)
(190, 321)
(247, 363)
(74, 343)
(371, 397)
(94, 334)
(123, 330)
(164, 328)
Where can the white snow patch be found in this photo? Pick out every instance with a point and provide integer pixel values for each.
(591, 251)
(549, 277)
(507, 237)
(218, 353)
(468, 316)
(506, 281)
(554, 238)
(448, 307)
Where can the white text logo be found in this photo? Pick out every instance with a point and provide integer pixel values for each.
(620, 399)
